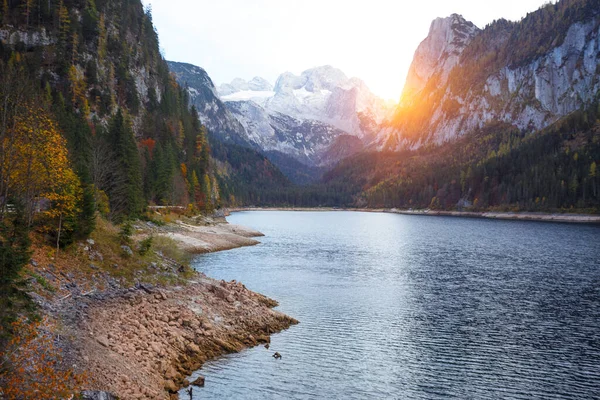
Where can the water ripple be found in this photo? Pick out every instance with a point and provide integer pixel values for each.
(407, 307)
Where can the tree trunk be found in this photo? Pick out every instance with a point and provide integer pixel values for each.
(58, 236)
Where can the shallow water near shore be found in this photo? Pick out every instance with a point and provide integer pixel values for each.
(400, 306)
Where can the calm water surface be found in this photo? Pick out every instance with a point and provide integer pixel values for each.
(395, 306)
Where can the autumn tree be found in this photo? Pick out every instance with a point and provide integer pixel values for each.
(36, 160)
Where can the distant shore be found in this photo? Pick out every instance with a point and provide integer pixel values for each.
(519, 216)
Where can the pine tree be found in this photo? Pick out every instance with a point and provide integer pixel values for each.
(126, 198)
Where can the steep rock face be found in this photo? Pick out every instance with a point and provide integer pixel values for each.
(113, 81)
(439, 52)
(212, 111)
(474, 77)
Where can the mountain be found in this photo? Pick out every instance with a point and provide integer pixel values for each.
(96, 72)
(212, 111)
(230, 127)
(304, 140)
(257, 84)
(322, 94)
(297, 139)
(528, 74)
(505, 118)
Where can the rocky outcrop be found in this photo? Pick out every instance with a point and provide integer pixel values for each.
(207, 239)
(439, 52)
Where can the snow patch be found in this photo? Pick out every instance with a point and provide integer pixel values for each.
(248, 95)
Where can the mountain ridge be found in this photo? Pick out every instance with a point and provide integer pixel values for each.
(479, 79)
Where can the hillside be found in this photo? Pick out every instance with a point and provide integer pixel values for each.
(127, 123)
(528, 74)
(483, 126)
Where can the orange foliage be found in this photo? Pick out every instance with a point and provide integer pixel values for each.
(31, 365)
(149, 144)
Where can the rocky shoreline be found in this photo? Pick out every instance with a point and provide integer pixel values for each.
(142, 340)
(207, 239)
(521, 216)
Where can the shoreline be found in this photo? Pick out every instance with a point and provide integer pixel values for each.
(145, 341)
(138, 341)
(513, 216)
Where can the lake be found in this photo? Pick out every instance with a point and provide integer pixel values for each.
(417, 307)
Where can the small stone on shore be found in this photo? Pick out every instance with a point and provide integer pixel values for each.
(199, 381)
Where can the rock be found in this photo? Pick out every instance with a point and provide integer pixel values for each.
(91, 242)
(199, 381)
(171, 373)
(146, 287)
(193, 348)
(127, 250)
(103, 340)
(97, 395)
(170, 386)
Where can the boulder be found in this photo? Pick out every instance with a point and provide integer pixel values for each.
(170, 386)
(199, 381)
(103, 340)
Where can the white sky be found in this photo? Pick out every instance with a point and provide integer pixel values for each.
(370, 39)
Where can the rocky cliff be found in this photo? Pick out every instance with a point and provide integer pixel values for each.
(212, 111)
(528, 74)
(322, 94)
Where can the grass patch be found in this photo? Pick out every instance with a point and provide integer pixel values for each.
(43, 282)
(169, 248)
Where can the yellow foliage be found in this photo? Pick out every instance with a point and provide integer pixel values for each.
(184, 170)
(36, 163)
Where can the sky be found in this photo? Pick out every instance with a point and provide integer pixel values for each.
(371, 39)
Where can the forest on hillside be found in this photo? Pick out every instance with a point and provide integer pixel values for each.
(93, 128)
(498, 167)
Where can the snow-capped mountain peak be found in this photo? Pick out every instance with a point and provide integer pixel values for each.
(256, 84)
(321, 93)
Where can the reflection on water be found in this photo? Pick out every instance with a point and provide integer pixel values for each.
(394, 306)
